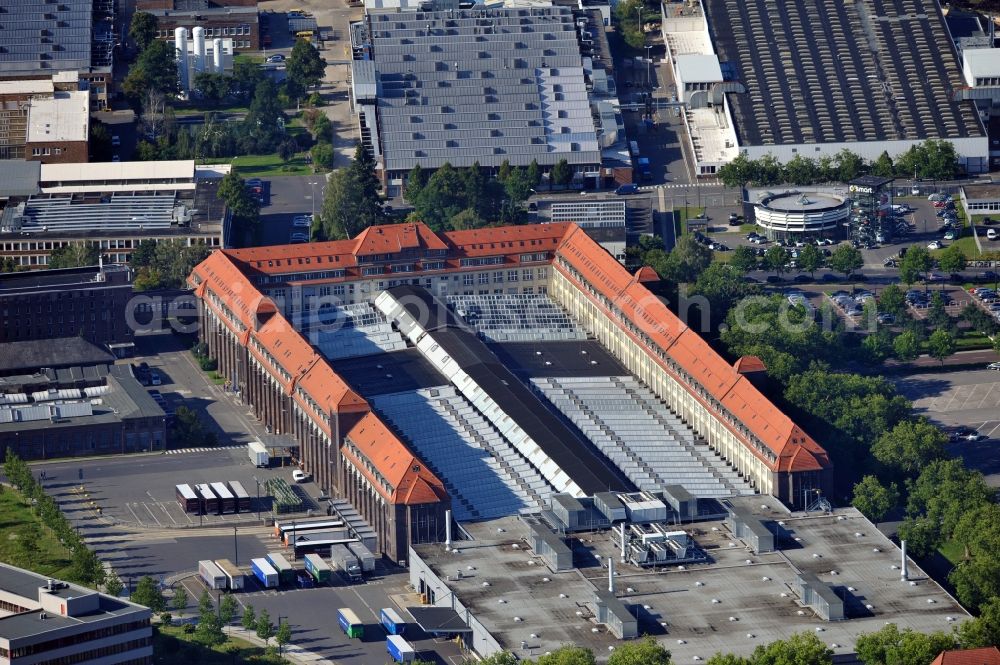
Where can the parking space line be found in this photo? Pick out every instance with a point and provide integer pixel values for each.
(995, 427)
(166, 512)
(131, 510)
(150, 511)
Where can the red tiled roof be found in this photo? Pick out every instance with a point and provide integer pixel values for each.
(496, 240)
(329, 390)
(395, 238)
(287, 347)
(218, 274)
(749, 364)
(414, 483)
(646, 274)
(984, 656)
(794, 449)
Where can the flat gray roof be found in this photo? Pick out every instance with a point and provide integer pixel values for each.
(20, 176)
(42, 38)
(483, 84)
(843, 550)
(868, 71)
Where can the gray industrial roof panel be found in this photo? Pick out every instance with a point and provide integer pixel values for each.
(20, 177)
(875, 70)
(45, 37)
(486, 85)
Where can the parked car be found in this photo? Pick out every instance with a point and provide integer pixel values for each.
(304, 221)
(300, 476)
(994, 366)
(992, 234)
(154, 378)
(630, 188)
(277, 57)
(935, 245)
(116, 140)
(734, 219)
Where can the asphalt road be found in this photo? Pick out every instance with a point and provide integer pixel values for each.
(290, 196)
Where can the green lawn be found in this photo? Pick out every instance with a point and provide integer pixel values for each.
(198, 109)
(681, 215)
(268, 166)
(51, 559)
(749, 228)
(953, 551)
(172, 645)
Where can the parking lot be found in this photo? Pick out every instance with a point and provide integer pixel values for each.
(290, 196)
(960, 399)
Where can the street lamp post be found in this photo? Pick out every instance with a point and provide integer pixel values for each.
(312, 185)
(649, 80)
(258, 497)
(236, 548)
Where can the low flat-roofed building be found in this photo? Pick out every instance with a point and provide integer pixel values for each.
(981, 199)
(43, 620)
(58, 127)
(677, 603)
(59, 419)
(114, 206)
(239, 23)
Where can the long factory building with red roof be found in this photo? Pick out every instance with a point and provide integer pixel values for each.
(260, 309)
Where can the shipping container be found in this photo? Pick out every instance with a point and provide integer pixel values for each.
(209, 502)
(399, 649)
(212, 575)
(258, 454)
(285, 570)
(343, 559)
(234, 576)
(243, 502)
(188, 499)
(365, 558)
(318, 568)
(227, 502)
(350, 623)
(265, 573)
(392, 622)
(317, 542)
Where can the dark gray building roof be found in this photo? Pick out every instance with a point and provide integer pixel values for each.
(29, 356)
(39, 38)
(481, 84)
(20, 177)
(866, 71)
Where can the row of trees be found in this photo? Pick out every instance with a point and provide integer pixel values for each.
(931, 160)
(164, 264)
(85, 567)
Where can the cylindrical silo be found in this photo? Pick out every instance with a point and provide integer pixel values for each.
(217, 56)
(198, 36)
(181, 44)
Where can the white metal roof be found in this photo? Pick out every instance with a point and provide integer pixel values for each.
(62, 117)
(110, 172)
(982, 62)
(699, 68)
(29, 86)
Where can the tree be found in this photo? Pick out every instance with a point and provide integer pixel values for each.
(283, 635)
(147, 592)
(644, 652)
(801, 170)
(914, 264)
(799, 649)
(878, 345)
(940, 345)
(99, 141)
(179, 602)
(891, 646)
(153, 120)
(322, 155)
(264, 123)
(628, 17)
(86, 567)
(534, 173)
(28, 537)
(776, 258)
(562, 174)
(113, 584)
(984, 630)
(874, 499)
(685, 261)
(287, 149)
(892, 301)
(303, 68)
(240, 201)
(442, 198)
(205, 603)
(952, 259)
(322, 129)
(351, 201)
(883, 166)
(977, 578)
(155, 69)
(568, 655)
(264, 627)
(906, 346)
(910, 445)
(501, 658)
(723, 286)
(213, 86)
(245, 78)
(849, 165)
(142, 30)
(227, 609)
(743, 259)
(74, 256)
(943, 492)
(727, 659)
(810, 259)
(737, 173)
(249, 619)
(846, 259)
(415, 182)
(189, 429)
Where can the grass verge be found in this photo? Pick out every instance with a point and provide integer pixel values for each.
(50, 558)
(172, 645)
(953, 551)
(266, 166)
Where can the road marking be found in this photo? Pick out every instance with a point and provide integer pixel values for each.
(139, 521)
(167, 512)
(150, 511)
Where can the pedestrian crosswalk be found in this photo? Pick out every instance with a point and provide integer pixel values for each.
(678, 185)
(181, 451)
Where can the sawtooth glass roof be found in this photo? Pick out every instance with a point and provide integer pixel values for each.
(45, 37)
(486, 85)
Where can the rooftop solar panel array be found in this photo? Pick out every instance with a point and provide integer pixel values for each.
(485, 477)
(516, 318)
(822, 71)
(118, 212)
(353, 330)
(487, 85)
(45, 36)
(626, 421)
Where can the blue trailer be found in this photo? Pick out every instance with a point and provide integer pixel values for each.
(392, 622)
(399, 649)
(265, 573)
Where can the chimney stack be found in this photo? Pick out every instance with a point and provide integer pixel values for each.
(903, 574)
(447, 530)
(622, 525)
(611, 575)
